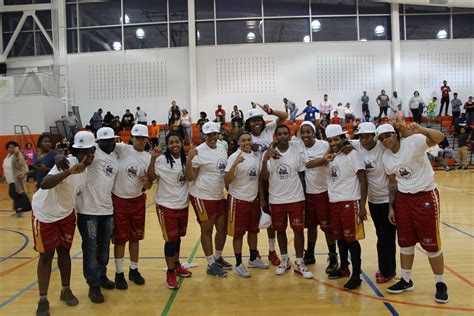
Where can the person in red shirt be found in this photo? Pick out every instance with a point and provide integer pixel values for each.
(220, 113)
(336, 119)
(445, 90)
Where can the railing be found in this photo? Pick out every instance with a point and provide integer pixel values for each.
(36, 83)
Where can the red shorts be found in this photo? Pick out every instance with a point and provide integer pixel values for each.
(280, 212)
(318, 212)
(208, 209)
(242, 216)
(173, 222)
(345, 221)
(129, 219)
(417, 218)
(49, 236)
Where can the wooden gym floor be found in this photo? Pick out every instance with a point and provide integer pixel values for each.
(264, 292)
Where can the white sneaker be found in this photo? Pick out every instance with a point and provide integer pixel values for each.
(300, 268)
(283, 267)
(242, 271)
(258, 263)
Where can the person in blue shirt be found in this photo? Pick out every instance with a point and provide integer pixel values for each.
(309, 112)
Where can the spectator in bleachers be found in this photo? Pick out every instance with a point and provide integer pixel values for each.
(400, 114)
(469, 107)
(175, 125)
(220, 114)
(44, 158)
(323, 123)
(365, 102)
(430, 110)
(224, 132)
(456, 105)
(116, 125)
(325, 106)
(222, 142)
(340, 112)
(234, 134)
(154, 134)
(96, 121)
(445, 90)
(108, 119)
(355, 125)
(309, 112)
(202, 120)
(395, 104)
(187, 125)
(174, 109)
(237, 116)
(461, 122)
(382, 101)
(73, 124)
(336, 119)
(367, 117)
(464, 138)
(127, 120)
(436, 154)
(290, 107)
(417, 105)
(349, 114)
(29, 153)
(141, 117)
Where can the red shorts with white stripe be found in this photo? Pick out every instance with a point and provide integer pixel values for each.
(242, 216)
(129, 219)
(49, 236)
(174, 223)
(417, 217)
(318, 212)
(345, 221)
(208, 209)
(294, 211)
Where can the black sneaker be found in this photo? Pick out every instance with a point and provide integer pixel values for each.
(135, 276)
(107, 284)
(401, 286)
(68, 297)
(333, 265)
(43, 308)
(441, 293)
(224, 264)
(95, 295)
(342, 272)
(352, 284)
(120, 282)
(309, 258)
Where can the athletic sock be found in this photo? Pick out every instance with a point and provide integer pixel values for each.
(65, 287)
(210, 259)
(406, 274)
(43, 297)
(238, 259)
(311, 246)
(284, 257)
(253, 255)
(218, 254)
(439, 278)
(299, 260)
(119, 265)
(332, 248)
(133, 265)
(271, 243)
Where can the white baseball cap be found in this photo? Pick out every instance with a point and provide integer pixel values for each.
(84, 140)
(385, 128)
(211, 127)
(307, 123)
(366, 128)
(333, 130)
(105, 133)
(140, 130)
(254, 113)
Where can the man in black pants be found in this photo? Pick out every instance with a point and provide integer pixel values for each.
(371, 152)
(445, 90)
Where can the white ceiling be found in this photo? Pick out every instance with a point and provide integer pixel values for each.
(444, 3)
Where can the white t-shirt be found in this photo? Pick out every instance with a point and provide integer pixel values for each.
(132, 165)
(209, 183)
(410, 165)
(97, 196)
(266, 137)
(376, 177)
(141, 116)
(316, 178)
(343, 183)
(245, 184)
(8, 169)
(284, 183)
(434, 151)
(185, 120)
(172, 187)
(52, 205)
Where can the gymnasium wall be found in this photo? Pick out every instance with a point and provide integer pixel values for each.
(115, 81)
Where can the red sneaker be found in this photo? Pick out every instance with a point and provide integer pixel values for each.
(182, 271)
(171, 281)
(378, 274)
(273, 258)
(345, 272)
(381, 279)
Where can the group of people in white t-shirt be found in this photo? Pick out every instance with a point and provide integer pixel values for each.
(308, 181)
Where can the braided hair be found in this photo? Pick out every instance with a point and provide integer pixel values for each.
(169, 155)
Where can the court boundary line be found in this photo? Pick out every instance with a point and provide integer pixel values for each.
(457, 229)
(26, 241)
(379, 294)
(25, 289)
(174, 292)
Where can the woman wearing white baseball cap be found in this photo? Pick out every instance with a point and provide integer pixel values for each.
(129, 202)
(262, 137)
(371, 152)
(414, 201)
(317, 200)
(205, 167)
(54, 219)
(347, 188)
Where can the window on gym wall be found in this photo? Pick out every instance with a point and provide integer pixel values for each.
(125, 24)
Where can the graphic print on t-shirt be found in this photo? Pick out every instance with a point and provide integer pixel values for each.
(335, 173)
(370, 165)
(181, 178)
(405, 172)
(132, 171)
(109, 170)
(79, 190)
(221, 164)
(283, 172)
(252, 174)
